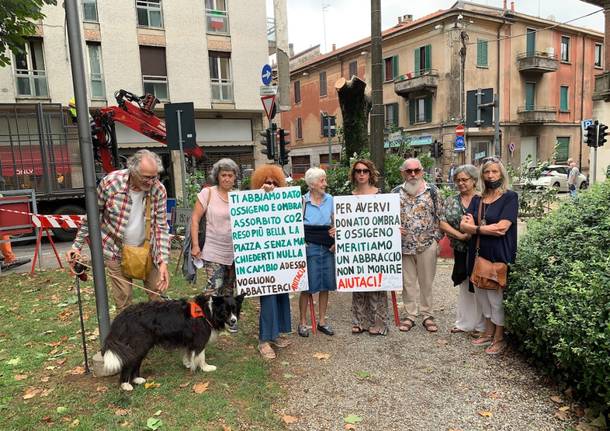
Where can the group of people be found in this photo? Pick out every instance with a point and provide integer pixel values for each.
(477, 224)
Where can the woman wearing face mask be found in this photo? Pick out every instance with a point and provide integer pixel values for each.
(497, 210)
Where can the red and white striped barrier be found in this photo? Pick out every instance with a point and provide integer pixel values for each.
(52, 221)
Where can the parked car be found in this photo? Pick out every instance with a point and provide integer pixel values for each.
(555, 176)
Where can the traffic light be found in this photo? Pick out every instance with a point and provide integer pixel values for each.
(601, 135)
(437, 150)
(284, 142)
(268, 144)
(591, 135)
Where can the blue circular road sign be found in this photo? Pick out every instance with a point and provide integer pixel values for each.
(266, 74)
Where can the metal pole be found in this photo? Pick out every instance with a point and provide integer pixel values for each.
(182, 163)
(330, 144)
(276, 155)
(280, 14)
(376, 141)
(86, 152)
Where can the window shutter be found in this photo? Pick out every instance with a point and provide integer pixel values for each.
(428, 57)
(395, 66)
(416, 62)
(411, 111)
(395, 114)
(563, 97)
(321, 124)
(428, 109)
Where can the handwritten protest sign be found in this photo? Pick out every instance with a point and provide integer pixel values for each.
(368, 254)
(267, 230)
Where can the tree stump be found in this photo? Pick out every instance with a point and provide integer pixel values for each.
(355, 108)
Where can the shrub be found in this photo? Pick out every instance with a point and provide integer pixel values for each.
(558, 299)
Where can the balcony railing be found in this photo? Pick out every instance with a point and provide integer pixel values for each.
(537, 114)
(422, 80)
(217, 21)
(602, 87)
(537, 62)
(157, 86)
(222, 90)
(31, 83)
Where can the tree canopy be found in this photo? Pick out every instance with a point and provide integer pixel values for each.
(17, 21)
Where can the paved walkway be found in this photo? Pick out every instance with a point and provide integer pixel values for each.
(409, 381)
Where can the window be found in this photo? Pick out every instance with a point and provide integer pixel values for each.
(90, 10)
(598, 55)
(420, 110)
(220, 76)
(297, 91)
(325, 127)
(299, 128)
(324, 158)
(323, 89)
(562, 149)
(300, 164)
(530, 96)
(481, 53)
(422, 59)
(530, 41)
(563, 98)
(154, 71)
(217, 19)
(391, 115)
(96, 78)
(353, 69)
(565, 48)
(30, 74)
(390, 68)
(149, 13)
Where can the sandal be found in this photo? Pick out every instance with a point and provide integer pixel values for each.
(429, 324)
(496, 347)
(357, 329)
(303, 331)
(456, 330)
(483, 340)
(375, 330)
(281, 342)
(266, 351)
(406, 325)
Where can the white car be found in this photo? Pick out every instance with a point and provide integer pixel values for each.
(557, 176)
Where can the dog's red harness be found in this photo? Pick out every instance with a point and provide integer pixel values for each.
(197, 312)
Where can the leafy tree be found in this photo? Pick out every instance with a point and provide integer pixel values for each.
(17, 21)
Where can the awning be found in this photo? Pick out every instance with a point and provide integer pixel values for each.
(28, 160)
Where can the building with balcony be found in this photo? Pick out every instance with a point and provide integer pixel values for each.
(543, 79)
(208, 52)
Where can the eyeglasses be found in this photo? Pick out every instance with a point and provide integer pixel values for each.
(272, 183)
(462, 180)
(148, 178)
(492, 159)
(415, 171)
(362, 171)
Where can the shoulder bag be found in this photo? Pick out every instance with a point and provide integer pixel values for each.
(485, 274)
(136, 262)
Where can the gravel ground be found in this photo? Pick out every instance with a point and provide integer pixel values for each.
(409, 381)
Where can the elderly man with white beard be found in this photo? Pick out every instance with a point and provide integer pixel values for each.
(420, 210)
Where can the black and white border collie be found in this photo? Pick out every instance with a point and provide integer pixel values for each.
(172, 324)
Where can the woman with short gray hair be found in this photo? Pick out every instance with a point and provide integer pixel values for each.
(217, 254)
(469, 316)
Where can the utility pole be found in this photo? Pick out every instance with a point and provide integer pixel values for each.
(86, 151)
(377, 114)
(280, 15)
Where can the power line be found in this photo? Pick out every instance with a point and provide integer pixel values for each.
(541, 29)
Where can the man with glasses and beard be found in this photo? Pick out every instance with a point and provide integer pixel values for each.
(420, 209)
(122, 198)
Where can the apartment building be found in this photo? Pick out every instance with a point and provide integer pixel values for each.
(207, 52)
(542, 72)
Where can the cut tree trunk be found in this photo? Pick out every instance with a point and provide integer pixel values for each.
(355, 108)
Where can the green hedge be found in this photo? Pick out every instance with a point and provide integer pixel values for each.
(558, 299)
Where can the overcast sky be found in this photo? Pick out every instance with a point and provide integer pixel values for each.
(349, 20)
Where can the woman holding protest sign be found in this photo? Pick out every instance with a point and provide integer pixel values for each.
(274, 318)
(369, 309)
(318, 211)
(469, 316)
(217, 254)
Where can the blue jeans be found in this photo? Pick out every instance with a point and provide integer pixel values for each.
(573, 190)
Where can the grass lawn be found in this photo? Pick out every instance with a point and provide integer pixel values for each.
(43, 384)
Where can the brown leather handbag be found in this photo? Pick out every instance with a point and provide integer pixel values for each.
(136, 262)
(485, 274)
